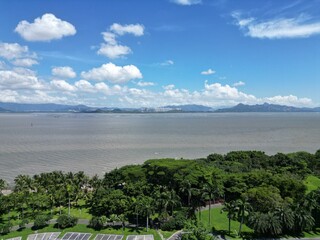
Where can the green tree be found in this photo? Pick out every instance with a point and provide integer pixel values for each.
(242, 207)
(212, 190)
(146, 208)
(265, 224)
(231, 209)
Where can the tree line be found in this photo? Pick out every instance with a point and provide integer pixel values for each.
(267, 193)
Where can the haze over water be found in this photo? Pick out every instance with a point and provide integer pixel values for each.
(97, 143)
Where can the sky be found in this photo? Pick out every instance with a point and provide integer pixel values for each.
(143, 53)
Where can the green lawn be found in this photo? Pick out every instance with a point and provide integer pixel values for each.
(82, 228)
(312, 183)
(219, 222)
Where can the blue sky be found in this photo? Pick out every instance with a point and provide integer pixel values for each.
(154, 53)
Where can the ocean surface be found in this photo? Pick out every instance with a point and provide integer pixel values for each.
(97, 143)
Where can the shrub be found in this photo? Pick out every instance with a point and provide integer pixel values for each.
(97, 223)
(41, 221)
(23, 223)
(65, 221)
(5, 228)
(175, 223)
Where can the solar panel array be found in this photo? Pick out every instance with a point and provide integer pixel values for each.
(44, 236)
(108, 237)
(76, 236)
(16, 238)
(140, 237)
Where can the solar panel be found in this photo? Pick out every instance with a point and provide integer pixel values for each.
(108, 237)
(16, 238)
(44, 236)
(140, 237)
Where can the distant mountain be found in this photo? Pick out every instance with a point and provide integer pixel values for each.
(48, 107)
(266, 107)
(189, 108)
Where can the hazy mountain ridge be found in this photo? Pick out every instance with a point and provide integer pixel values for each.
(51, 107)
(266, 107)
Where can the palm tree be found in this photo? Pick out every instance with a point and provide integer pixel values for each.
(230, 208)
(265, 223)
(211, 191)
(186, 188)
(286, 217)
(243, 207)
(173, 200)
(303, 218)
(146, 208)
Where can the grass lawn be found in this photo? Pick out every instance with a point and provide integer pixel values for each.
(167, 234)
(312, 183)
(219, 222)
(82, 228)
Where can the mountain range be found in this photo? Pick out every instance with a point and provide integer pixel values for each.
(51, 107)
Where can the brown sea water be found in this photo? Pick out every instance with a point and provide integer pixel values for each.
(97, 143)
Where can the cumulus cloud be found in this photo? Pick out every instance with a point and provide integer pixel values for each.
(62, 85)
(25, 62)
(45, 28)
(239, 84)
(8, 96)
(187, 2)
(145, 84)
(84, 85)
(11, 51)
(113, 73)
(290, 100)
(111, 48)
(277, 28)
(208, 72)
(113, 51)
(19, 78)
(63, 72)
(109, 37)
(135, 29)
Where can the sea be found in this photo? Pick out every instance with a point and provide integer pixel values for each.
(31, 143)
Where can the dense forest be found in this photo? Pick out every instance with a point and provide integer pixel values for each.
(267, 193)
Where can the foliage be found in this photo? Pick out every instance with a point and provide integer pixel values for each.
(66, 221)
(253, 185)
(41, 221)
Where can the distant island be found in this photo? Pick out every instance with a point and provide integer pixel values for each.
(191, 108)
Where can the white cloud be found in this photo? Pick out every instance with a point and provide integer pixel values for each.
(220, 91)
(135, 29)
(239, 84)
(167, 63)
(145, 84)
(19, 78)
(113, 51)
(278, 28)
(63, 72)
(8, 96)
(84, 86)
(111, 48)
(187, 2)
(45, 28)
(25, 62)
(208, 72)
(62, 85)
(109, 37)
(111, 72)
(288, 100)
(11, 51)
